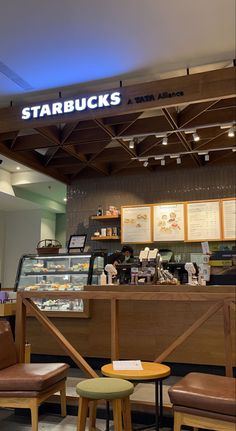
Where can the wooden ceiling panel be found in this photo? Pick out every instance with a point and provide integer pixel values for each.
(96, 146)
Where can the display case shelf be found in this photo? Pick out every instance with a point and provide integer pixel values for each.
(105, 238)
(105, 217)
(54, 273)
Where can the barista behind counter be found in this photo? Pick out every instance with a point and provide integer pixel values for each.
(119, 265)
(128, 253)
(124, 267)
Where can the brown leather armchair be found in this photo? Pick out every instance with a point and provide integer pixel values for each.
(27, 385)
(204, 401)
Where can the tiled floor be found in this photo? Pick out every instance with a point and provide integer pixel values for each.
(11, 422)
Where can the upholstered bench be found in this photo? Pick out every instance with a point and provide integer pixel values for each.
(204, 401)
(27, 385)
(102, 388)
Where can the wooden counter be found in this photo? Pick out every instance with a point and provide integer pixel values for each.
(150, 319)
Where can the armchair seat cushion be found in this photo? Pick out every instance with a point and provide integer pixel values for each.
(205, 392)
(31, 377)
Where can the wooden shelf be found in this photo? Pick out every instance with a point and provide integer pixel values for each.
(105, 238)
(105, 217)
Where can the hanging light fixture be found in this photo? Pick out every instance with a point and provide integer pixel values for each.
(207, 158)
(178, 161)
(145, 164)
(163, 162)
(165, 140)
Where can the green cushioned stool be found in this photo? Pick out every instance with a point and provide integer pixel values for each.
(109, 389)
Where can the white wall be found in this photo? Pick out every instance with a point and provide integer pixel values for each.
(2, 243)
(48, 225)
(22, 233)
(5, 183)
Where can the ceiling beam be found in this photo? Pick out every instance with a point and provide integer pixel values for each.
(173, 121)
(32, 161)
(191, 112)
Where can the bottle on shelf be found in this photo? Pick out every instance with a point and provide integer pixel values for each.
(103, 279)
(99, 211)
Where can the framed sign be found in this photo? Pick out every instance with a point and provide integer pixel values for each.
(136, 224)
(229, 219)
(203, 221)
(168, 222)
(77, 242)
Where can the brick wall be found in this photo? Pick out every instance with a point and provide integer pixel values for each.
(84, 197)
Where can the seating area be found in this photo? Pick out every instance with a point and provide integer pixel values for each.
(204, 401)
(27, 385)
(110, 389)
(199, 400)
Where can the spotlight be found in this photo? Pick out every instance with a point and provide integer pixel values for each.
(145, 164)
(233, 150)
(163, 162)
(202, 153)
(196, 137)
(231, 133)
(18, 168)
(131, 144)
(178, 161)
(207, 158)
(165, 141)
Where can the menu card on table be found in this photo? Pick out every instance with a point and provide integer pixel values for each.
(127, 365)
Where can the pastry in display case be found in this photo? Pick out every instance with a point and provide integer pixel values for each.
(59, 273)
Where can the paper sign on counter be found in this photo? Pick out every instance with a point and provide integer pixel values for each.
(127, 365)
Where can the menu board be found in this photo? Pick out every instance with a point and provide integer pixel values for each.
(136, 224)
(203, 221)
(229, 219)
(168, 222)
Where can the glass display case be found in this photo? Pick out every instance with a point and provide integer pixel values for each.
(60, 273)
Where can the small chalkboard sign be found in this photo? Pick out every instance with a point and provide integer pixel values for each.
(77, 242)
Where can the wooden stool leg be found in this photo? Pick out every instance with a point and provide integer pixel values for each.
(117, 417)
(177, 421)
(127, 414)
(82, 413)
(92, 415)
(34, 414)
(63, 400)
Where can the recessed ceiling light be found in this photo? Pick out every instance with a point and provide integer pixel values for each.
(18, 168)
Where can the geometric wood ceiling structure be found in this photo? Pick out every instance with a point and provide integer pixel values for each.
(89, 144)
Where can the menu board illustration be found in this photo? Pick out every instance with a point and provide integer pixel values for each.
(203, 220)
(136, 224)
(168, 222)
(229, 219)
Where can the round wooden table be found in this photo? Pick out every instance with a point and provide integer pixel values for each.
(152, 371)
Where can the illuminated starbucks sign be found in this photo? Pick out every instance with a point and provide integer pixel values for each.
(67, 106)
